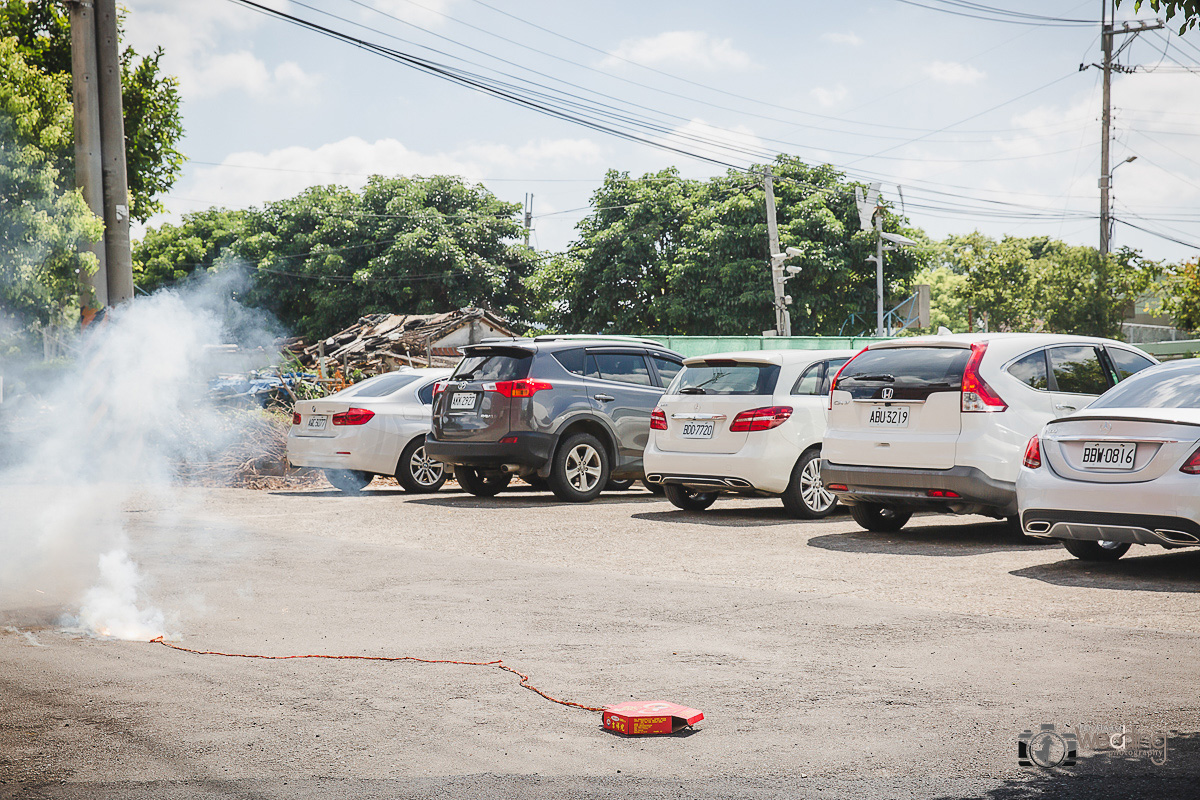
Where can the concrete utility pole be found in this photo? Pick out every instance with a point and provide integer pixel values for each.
(1108, 31)
(87, 139)
(879, 275)
(112, 137)
(528, 217)
(783, 319)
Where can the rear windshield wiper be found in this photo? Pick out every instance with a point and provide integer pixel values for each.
(692, 390)
(866, 377)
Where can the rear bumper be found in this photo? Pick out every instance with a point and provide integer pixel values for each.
(907, 488)
(529, 450)
(763, 466)
(1099, 526)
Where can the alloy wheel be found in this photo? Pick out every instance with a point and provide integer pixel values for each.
(583, 467)
(425, 470)
(813, 490)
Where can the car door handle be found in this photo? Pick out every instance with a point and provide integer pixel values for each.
(604, 398)
(1064, 407)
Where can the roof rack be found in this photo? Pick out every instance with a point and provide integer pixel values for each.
(553, 337)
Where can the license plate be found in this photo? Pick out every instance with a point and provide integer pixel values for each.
(1108, 455)
(462, 401)
(317, 422)
(889, 417)
(697, 430)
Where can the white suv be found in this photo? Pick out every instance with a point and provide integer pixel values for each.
(746, 422)
(941, 422)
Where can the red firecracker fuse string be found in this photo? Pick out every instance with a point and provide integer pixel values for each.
(497, 664)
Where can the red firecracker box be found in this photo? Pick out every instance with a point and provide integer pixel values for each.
(638, 717)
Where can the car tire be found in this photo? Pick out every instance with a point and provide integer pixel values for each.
(805, 496)
(580, 469)
(1095, 551)
(418, 473)
(879, 518)
(350, 481)
(655, 488)
(687, 499)
(619, 484)
(474, 482)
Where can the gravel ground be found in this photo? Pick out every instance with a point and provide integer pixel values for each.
(829, 662)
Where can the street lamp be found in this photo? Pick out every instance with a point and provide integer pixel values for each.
(777, 269)
(897, 241)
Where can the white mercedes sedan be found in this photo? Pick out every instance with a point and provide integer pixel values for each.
(1123, 471)
(375, 427)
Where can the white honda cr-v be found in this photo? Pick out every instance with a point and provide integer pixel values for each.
(940, 423)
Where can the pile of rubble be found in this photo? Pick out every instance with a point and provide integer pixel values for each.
(383, 342)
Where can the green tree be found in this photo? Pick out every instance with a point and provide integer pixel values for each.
(1188, 11)
(329, 255)
(153, 126)
(665, 255)
(171, 253)
(41, 226)
(1181, 295)
(948, 297)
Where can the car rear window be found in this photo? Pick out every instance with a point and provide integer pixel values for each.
(1127, 362)
(382, 385)
(1163, 388)
(913, 373)
(726, 377)
(493, 365)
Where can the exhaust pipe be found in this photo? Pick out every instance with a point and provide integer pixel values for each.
(1037, 526)
(511, 469)
(1177, 537)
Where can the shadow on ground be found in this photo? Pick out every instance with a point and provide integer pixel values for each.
(769, 513)
(961, 539)
(1170, 571)
(1098, 775)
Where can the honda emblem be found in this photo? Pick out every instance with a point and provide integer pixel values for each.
(887, 393)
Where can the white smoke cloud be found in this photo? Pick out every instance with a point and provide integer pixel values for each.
(121, 423)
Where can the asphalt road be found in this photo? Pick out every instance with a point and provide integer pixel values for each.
(829, 662)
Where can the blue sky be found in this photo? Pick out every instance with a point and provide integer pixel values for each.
(975, 123)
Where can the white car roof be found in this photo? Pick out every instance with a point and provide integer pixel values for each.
(965, 340)
(780, 357)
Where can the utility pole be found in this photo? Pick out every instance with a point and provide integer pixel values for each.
(1108, 31)
(879, 275)
(117, 250)
(87, 140)
(528, 217)
(783, 319)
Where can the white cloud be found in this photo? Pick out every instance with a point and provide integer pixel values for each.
(195, 49)
(830, 96)
(953, 72)
(682, 49)
(728, 144)
(852, 39)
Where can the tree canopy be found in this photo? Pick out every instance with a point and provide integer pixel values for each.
(661, 254)
(1185, 12)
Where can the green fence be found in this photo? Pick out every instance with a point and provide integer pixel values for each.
(703, 345)
(1163, 351)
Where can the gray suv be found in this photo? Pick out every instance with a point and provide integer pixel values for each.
(571, 413)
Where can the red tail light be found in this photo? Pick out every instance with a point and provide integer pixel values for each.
(295, 417)
(976, 394)
(836, 487)
(658, 420)
(353, 416)
(1192, 465)
(944, 493)
(761, 419)
(833, 383)
(523, 388)
(1033, 454)
(438, 388)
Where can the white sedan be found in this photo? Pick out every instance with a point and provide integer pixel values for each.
(1125, 470)
(375, 427)
(746, 422)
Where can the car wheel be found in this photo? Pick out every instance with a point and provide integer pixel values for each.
(478, 484)
(1096, 551)
(618, 485)
(580, 469)
(655, 488)
(689, 499)
(417, 472)
(350, 481)
(806, 496)
(879, 518)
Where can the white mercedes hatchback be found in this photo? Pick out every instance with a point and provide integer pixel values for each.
(375, 427)
(746, 422)
(939, 423)
(1123, 471)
